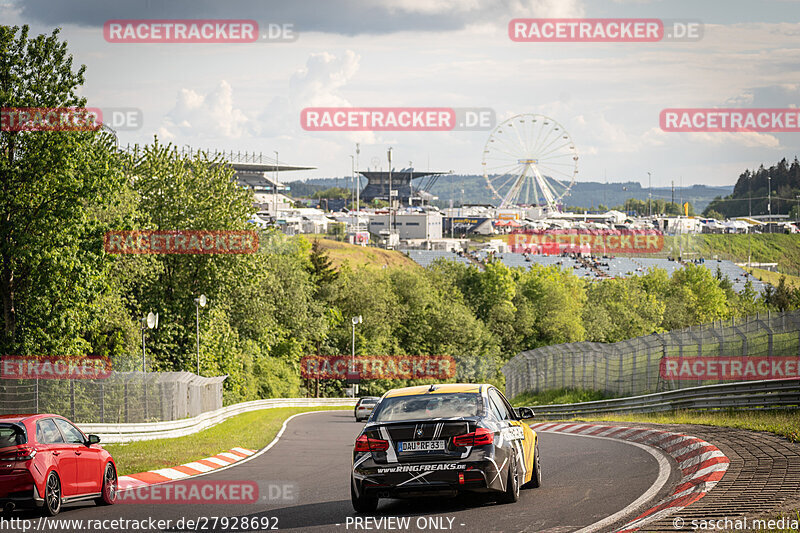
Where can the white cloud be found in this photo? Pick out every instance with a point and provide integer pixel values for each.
(492, 8)
(209, 115)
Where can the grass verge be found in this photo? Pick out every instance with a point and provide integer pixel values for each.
(783, 423)
(774, 277)
(252, 430)
(342, 252)
(558, 396)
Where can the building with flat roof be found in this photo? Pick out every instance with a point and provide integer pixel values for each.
(407, 193)
(409, 226)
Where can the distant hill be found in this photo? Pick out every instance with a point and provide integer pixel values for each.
(750, 194)
(472, 189)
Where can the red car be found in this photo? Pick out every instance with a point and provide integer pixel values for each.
(46, 461)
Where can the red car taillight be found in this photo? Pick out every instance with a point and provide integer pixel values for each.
(366, 444)
(20, 454)
(479, 437)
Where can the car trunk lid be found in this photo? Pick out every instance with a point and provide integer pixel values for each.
(420, 441)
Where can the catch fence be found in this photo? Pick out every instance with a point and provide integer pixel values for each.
(123, 397)
(632, 367)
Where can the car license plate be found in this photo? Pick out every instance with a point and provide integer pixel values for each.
(421, 446)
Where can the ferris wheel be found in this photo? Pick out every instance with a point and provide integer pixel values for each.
(530, 160)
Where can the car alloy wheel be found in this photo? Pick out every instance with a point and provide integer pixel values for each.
(52, 495)
(109, 487)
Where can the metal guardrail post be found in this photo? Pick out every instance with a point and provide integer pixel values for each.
(699, 341)
(72, 398)
(742, 335)
(573, 356)
(766, 325)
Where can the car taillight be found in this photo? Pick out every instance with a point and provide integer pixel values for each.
(21, 454)
(479, 437)
(366, 444)
(362, 407)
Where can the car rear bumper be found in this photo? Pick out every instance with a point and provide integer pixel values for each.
(427, 479)
(17, 487)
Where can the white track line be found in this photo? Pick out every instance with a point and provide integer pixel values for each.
(641, 501)
(245, 459)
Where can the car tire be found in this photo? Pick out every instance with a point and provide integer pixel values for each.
(536, 477)
(363, 503)
(52, 495)
(109, 486)
(511, 494)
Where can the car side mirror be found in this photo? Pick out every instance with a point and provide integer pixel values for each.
(523, 413)
(92, 439)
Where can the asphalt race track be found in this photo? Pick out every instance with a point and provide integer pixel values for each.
(584, 480)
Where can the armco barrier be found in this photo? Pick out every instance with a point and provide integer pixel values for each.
(115, 433)
(773, 394)
(633, 367)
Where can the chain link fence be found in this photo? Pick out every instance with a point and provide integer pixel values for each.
(631, 367)
(123, 397)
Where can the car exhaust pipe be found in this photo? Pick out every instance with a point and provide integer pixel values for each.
(9, 508)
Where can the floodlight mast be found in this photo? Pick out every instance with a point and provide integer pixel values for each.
(355, 320)
(391, 199)
(358, 188)
(148, 322)
(198, 303)
(275, 190)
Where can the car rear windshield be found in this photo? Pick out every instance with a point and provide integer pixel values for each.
(371, 401)
(11, 435)
(451, 405)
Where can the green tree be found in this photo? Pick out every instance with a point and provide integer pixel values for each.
(51, 259)
(554, 307)
(694, 297)
(322, 269)
(782, 297)
(620, 309)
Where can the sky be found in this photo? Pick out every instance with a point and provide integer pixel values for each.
(443, 53)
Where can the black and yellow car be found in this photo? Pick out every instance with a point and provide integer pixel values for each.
(444, 440)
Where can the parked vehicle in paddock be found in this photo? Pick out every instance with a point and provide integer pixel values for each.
(364, 407)
(45, 461)
(444, 440)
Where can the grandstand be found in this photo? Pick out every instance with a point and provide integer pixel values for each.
(611, 267)
(426, 257)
